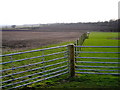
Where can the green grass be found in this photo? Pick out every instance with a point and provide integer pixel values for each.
(91, 80)
(107, 39)
(81, 80)
(32, 61)
(103, 35)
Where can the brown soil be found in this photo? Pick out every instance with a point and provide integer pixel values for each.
(22, 40)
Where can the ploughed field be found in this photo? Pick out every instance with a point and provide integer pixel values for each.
(23, 40)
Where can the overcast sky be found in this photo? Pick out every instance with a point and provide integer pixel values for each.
(56, 11)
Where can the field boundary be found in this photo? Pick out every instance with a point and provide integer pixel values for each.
(54, 72)
(68, 65)
(94, 71)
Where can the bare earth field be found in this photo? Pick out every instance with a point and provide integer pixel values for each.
(23, 40)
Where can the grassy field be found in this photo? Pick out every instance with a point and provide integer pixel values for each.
(81, 80)
(102, 39)
(91, 80)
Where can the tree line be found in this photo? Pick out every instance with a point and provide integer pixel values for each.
(110, 26)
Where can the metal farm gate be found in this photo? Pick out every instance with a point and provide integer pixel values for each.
(37, 65)
(55, 61)
(86, 64)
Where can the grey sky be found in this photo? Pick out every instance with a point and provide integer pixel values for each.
(56, 11)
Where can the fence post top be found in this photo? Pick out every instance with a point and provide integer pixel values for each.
(71, 45)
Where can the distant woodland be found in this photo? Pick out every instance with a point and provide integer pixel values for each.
(106, 26)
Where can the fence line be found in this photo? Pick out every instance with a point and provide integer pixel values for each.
(9, 79)
(97, 62)
(34, 50)
(97, 73)
(93, 71)
(97, 66)
(96, 70)
(98, 57)
(59, 67)
(35, 73)
(33, 57)
(78, 46)
(65, 62)
(95, 52)
(99, 46)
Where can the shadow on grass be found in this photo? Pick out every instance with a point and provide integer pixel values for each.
(81, 81)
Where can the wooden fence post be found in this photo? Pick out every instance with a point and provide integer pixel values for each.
(71, 60)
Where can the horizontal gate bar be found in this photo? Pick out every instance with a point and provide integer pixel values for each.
(33, 57)
(97, 58)
(100, 46)
(97, 62)
(33, 69)
(96, 70)
(97, 66)
(34, 78)
(20, 60)
(41, 80)
(97, 73)
(32, 64)
(94, 52)
(34, 74)
(33, 51)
